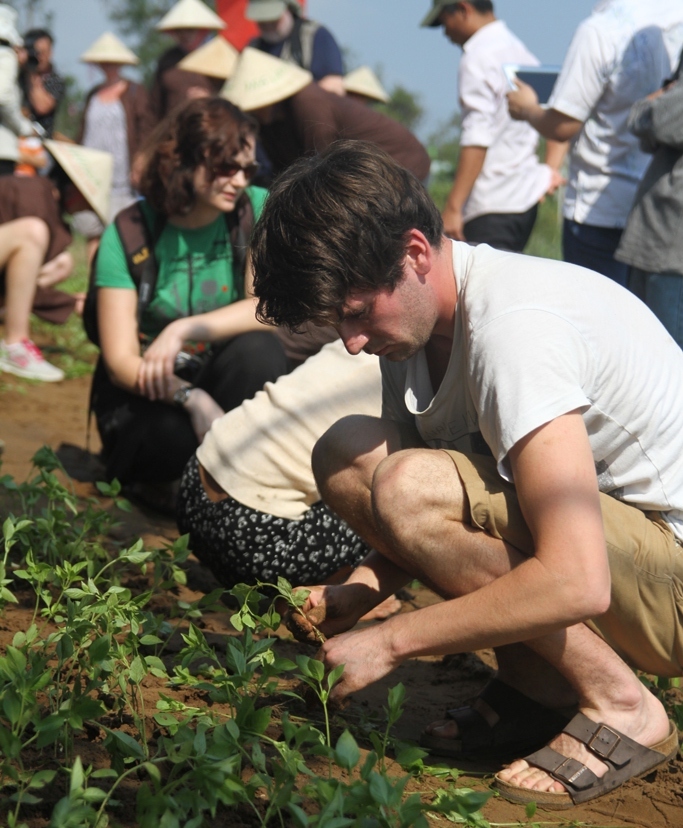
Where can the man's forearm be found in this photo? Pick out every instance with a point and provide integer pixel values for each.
(470, 165)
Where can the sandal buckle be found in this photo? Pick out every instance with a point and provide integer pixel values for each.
(602, 747)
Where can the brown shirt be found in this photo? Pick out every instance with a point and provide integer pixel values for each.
(314, 118)
(171, 85)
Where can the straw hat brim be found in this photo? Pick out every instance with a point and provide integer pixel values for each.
(190, 14)
(90, 170)
(261, 80)
(109, 49)
(363, 81)
(215, 59)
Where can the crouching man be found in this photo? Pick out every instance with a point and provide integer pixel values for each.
(527, 466)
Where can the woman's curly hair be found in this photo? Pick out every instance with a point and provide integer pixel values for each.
(209, 131)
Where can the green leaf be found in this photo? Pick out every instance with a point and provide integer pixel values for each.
(99, 649)
(11, 704)
(77, 775)
(42, 778)
(153, 771)
(150, 640)
(346, 752)
(530, 809)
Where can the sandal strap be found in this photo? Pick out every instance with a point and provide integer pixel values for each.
(609, 745)
(570, 772)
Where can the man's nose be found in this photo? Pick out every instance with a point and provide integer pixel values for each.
(353, 337)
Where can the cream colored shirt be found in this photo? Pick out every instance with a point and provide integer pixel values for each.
(260, 452)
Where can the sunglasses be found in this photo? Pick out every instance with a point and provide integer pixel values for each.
(231, 168)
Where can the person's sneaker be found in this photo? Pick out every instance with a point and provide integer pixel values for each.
(25, 360)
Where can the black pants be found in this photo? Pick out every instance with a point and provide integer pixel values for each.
(151, 442)
(505, 231)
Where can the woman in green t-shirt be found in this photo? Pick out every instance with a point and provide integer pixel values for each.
(150, 420)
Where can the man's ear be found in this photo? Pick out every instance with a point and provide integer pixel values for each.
(419, 253)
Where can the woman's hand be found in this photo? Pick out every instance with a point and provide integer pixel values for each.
(203, 410)
(156, 369)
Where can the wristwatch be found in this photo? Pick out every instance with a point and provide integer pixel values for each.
(182, 394)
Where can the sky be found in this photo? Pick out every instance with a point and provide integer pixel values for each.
(385, 34)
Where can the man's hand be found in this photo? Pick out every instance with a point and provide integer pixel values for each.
(366, 656)
(453, 223)
(332, 609)
(522, 102)
(556, 180)
(203, 410)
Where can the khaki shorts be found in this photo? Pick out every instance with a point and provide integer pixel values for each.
(644, 623)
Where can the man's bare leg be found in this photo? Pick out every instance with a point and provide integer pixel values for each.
(411, 507)
(23, 243)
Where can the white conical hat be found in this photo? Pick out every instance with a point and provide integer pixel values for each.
(190, 14)
(261, 79)
(90, 170)
(216, 59)
(364, 81)
(108, 49)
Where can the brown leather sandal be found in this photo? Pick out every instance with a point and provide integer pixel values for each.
(625, 758)
(500, 723)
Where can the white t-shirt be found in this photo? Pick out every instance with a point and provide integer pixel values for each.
(260, 452)
(512, 179)
(620, 54)
(535, 339)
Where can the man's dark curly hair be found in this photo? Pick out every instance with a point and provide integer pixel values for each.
(334, 224)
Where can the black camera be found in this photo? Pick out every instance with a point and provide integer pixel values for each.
(188, 366)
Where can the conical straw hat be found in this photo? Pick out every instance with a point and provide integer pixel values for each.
(261, 79)
(90, 170)
(190, 14)
(109, 49)
(216, 59)
(364, 81)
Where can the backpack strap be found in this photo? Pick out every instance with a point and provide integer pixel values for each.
(240, 224)
(298, 47)
(138, 240)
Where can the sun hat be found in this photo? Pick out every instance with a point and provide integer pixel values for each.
(363, 81)
(190, 14)
(90, 170)
(432, 17)
(261, 79)
(8, 26)
(109, 49)
(216, 59)
(264, 11)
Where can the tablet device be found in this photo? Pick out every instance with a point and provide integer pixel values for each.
(540, 78)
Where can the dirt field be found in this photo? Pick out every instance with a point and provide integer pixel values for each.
(33, 415)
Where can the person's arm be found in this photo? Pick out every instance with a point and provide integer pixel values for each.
(223, 323)
(524, 106)
(10, 106)
(470, 164)
(327, 64)
(333, 84)
(42, 102)
(555, 153)
(658, 119)
(567, 581)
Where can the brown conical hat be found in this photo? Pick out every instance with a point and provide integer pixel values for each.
(364, 81)
(190, 14)
(216, 59)
(109, 49)
(261, 80)
(90, 170)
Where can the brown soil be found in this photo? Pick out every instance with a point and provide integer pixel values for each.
(32, 415)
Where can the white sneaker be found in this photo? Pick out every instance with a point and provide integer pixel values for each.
(25, 360)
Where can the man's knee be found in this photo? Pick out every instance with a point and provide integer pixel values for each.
(414, 485)
(352, 447)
